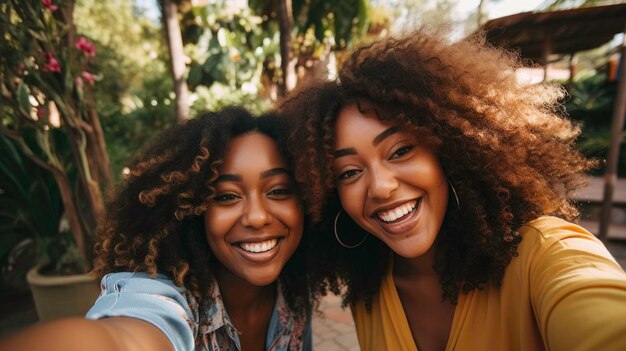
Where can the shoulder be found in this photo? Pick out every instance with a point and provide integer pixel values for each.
(547, 232)
(553, 245)
(153, 299)
(554, 228)
(139, 282)
(135, 291)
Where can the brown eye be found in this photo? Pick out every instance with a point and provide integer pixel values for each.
(348, 174)
(280, 191)
(225, 197)
(401, 151)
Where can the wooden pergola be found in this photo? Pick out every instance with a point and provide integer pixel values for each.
(538, 36)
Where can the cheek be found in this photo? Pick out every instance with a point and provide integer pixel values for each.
(290, 213)
(427, 172)
(217, 223)
(351, 199)
(431, 178)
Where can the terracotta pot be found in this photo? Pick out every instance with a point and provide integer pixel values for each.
(62, 296)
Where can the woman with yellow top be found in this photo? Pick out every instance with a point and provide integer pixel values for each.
(441, 191)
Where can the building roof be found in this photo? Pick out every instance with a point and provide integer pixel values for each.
(568, 31)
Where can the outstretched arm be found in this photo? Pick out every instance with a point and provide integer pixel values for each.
(76, 333)
(579, 292)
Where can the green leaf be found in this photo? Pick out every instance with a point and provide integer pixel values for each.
(11, 151)
(80, 92)
(22, 97)
(36, 35)
(195, 75)
(211, 63)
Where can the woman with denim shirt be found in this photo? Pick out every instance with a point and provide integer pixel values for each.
(200, 249)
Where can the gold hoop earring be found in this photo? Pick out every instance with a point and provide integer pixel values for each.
(337, 235)
(456, 197)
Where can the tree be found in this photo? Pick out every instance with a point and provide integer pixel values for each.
(171, 26)
(319, 28)
(46, 87)
(286, 63)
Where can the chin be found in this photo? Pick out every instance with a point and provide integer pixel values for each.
(409, 254)
(262, 279)
(262, 282)
(410, 249)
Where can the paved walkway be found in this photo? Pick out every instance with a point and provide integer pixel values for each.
(334, 331)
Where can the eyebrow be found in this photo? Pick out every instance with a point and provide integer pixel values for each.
(377, 140)
(380, 137)
(229, 178)
(273, 172)
(345, 152)
(237, 178)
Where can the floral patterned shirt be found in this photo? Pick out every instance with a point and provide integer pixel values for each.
(188, 325)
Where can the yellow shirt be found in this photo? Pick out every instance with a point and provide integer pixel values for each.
(563, 292)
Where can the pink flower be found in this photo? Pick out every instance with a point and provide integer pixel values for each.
(52, 64)
(88, 77)
(48, 4)
(86, 46)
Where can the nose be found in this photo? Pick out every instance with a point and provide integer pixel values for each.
(382, 182)
(255, 213)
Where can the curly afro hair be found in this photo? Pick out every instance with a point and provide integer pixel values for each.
(155, 222)
(506, 148)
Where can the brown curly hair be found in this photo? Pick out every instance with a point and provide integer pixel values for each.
(507, 149)
(155, 222)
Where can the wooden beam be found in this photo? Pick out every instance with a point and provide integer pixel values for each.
(573, 60)
(617, 127)
(545, 53)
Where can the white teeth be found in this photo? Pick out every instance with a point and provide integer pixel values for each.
(262, 246)
(395, 213)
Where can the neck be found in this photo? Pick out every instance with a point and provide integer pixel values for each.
(417, 267)
(241, 298)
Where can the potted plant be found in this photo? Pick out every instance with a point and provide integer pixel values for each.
(48, 114)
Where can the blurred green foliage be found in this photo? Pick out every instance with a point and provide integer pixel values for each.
(235, 50)
(134, 92)
(591, 102)
(340, 21)
(229, 50)
(32, 228)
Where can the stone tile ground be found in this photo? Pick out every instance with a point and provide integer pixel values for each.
(334, 330)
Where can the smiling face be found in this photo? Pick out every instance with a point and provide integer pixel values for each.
(389, 184)
(254, 223)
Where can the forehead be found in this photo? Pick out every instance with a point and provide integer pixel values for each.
(252, 150)
(359, 121)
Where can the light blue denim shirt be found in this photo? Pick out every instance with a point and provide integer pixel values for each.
(188, 326)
